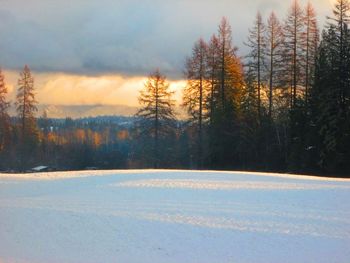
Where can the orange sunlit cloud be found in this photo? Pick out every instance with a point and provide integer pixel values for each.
(66, 89)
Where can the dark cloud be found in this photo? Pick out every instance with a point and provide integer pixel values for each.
(129, 37)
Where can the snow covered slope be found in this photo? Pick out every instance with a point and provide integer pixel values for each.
(173, 216)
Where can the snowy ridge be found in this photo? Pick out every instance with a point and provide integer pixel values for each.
(79, 174)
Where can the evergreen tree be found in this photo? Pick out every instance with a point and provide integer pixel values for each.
(319, 107)
(340, 23)
(250, 123)
(330, 97)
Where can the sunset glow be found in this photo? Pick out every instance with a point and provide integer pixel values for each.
(69, 89)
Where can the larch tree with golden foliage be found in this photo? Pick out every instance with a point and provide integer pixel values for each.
(26, 109)
(156, 115)
(230, 67)
(227, 99)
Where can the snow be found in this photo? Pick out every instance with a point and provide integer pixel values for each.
(163, 216)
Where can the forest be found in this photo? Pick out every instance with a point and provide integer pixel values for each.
(283, 107)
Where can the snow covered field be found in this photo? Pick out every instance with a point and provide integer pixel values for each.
(173, 216)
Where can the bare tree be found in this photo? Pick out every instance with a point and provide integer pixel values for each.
(274, 52)
(4, 117)
(256, 57)
(293, 31)
(311, 40)
(213, 56)
(195, 91)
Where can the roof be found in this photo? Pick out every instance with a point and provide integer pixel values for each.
(39, 168)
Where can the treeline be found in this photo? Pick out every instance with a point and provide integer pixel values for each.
(285, 106)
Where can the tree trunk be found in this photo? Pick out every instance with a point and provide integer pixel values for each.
(156, 136)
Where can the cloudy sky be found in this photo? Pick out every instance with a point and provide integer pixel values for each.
(105, 48)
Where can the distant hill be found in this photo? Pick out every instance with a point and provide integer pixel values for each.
(84, 111)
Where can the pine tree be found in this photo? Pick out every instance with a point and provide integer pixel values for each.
(330, 94)
(196, 91)
(157, 111)
(250, 123)
(320, 107)
(26, 108)
(340, 22)
(256, 57)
